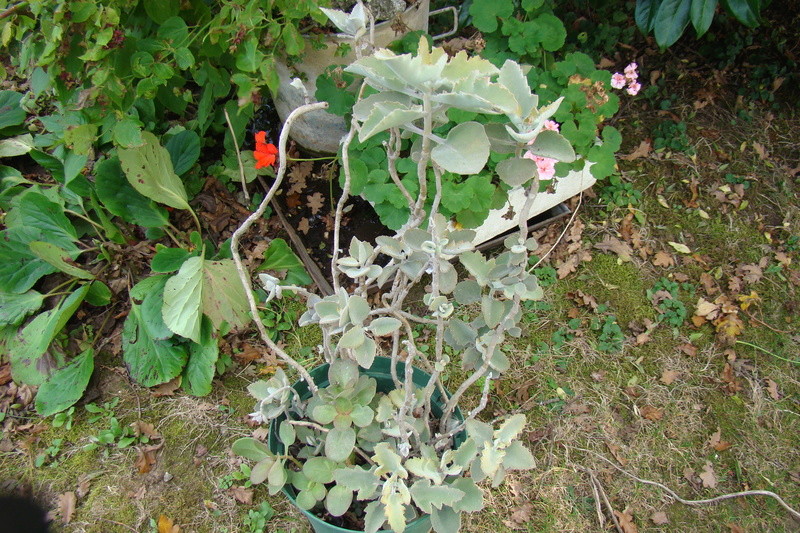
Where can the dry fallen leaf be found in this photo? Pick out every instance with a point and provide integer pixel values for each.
(625, 520)
(660, 518)
(750, 273)
(729, 327)
(689, 349)
(146, 457)
(772, 388)
(642, 150)
(242, 495)
(315, 202)
(663, 259)
(652, 413)
(668, 376)
(520, 516)
(145, 428)
(612, 244)
(168, 388)
(728, 377)
(708, 477)
(707, 281)
(165, 525)
(303, 226)
(735, 528)
(66, 506)
(614, 449)
(716, 442)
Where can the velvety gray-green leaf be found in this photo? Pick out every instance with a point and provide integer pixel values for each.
(465, 151)
(251, 448)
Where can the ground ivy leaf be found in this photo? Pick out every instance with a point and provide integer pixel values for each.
(66, 385)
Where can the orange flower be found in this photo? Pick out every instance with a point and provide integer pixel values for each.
(265, 152)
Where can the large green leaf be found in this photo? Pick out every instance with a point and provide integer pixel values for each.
(168, 259)
(279, 256)
(746, 11)
(149, 169)
(30, 361)
(15, 307)
(161, 10)
(14, 146)
(19, 268)
(184, 150)
(202, 363)
(671, 19)
(66, 385)
(465, 151)
(34, 211)
(183, 299)
(702, 14)
(224, 297)
(59, 258)
(645, 14)
(204, 287)
(121, 199)
(150, 361)
(11, 112)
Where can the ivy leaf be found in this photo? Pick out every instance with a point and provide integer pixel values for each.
(66, 385)
(486, 12)
(149, 170)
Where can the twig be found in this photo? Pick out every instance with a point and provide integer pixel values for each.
(238, 155)
(560, 237)
(244, 277)
(716, 499)
(776, 330)
(597, 488)
(13, 9)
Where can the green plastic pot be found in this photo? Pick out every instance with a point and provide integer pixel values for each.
(382, 375)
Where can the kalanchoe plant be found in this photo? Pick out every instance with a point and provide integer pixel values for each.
(395, 447)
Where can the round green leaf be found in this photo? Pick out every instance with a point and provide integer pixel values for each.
(339, 443)
(465, 151)
(338, 500)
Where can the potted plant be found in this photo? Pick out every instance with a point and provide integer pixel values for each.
(373, 438)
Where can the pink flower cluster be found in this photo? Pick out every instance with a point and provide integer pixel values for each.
(544, 165)
(629, 78)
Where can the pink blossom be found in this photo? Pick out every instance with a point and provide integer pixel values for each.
(630, 71)
(544, 165)
(551, 125)
(618, 80)
(633, 88)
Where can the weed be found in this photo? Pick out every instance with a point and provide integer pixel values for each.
(665, 295)
(256, 519)
(100, 412)
(49, 455)
(64, 418)
(618, 193)
(611, 336)
(241, 475)
(671, 135)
